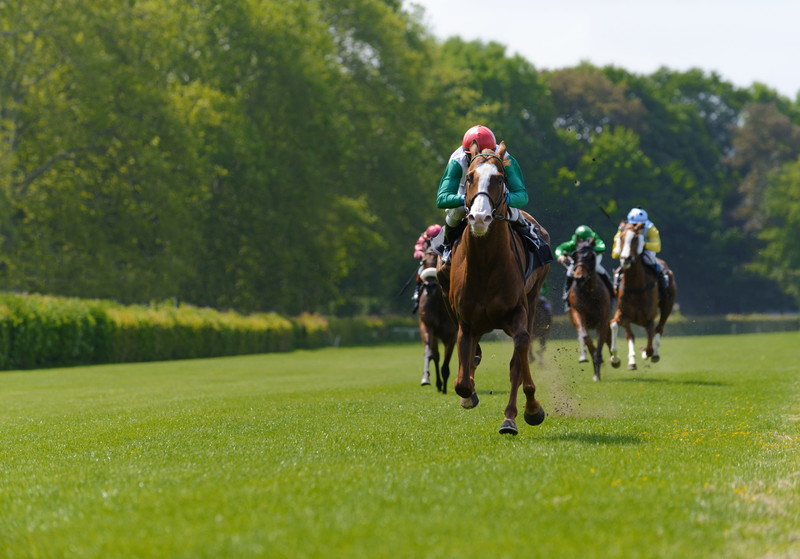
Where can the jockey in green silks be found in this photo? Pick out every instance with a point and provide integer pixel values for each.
(450, 195)
(564, 252)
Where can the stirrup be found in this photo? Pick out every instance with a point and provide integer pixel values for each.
(447, 254)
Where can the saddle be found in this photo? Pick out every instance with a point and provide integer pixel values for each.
(537, 251)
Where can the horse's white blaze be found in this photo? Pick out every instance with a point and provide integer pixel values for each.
(625, 240)
(631, 352)
(482, 205)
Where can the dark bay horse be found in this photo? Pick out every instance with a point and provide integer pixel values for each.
(486, 286)
(638, 299)
(589, 304)
(435, 323)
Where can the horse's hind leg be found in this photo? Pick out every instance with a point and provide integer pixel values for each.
(614, 360)
(448, 352)
(597, 354)
(426, 364)
(631, 347)
(647, 351)
(582, 357)
(665, 310)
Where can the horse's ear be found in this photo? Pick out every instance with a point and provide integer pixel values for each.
(474, 149)
(501, 151)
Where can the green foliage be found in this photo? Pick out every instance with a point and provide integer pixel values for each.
(340, 453)
(283, 156)
(779, 259)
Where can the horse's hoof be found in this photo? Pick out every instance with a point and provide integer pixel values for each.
(631, 366)
(583, 360)
(471, 402)
(425, 382)
(535, 419)
(655, 358)
(596, 377)
(509, 427)
(616, 363)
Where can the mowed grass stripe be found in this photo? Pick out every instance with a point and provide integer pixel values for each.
(339, 452)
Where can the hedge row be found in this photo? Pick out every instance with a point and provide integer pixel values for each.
(44, 331)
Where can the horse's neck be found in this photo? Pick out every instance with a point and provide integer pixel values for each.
(636, 273)
(490, 248)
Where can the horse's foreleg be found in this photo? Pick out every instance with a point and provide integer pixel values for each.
(465, 385)
(582, 358)
(520, 373)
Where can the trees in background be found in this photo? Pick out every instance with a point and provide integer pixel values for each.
(285, 156)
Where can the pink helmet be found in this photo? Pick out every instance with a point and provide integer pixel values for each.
(432, 230)
(480, 134)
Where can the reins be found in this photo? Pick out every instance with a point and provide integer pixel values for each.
(494, 203)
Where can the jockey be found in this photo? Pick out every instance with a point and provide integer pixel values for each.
(652, 245)
(564, 252)
(422, 245)
(450, 195)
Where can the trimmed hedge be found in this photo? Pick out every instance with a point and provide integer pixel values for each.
(45, 331)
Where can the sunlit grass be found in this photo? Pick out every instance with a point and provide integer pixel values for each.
(340, 453)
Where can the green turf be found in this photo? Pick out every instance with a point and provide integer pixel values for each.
(340, 453)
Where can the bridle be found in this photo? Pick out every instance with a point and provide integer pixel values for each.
(581, 259)
(496, 204)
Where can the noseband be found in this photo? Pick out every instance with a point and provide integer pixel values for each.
(494, 203)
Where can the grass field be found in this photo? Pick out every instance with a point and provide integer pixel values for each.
(340, 453)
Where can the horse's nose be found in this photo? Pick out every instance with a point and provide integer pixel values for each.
(480, 218)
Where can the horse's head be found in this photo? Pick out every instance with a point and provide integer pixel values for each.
(630, 243)
(585, 260)
(485, 188)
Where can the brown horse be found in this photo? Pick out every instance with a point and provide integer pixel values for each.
(435, 324)
(542, 322)
(486, 286)
(638, 298)
(589, 304)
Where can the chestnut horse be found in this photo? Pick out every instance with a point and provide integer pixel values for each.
(638, 298)
(435, 324)
(589, 304)
(486, 286)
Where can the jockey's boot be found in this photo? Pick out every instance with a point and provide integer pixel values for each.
(663, 286)
(450, 236)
